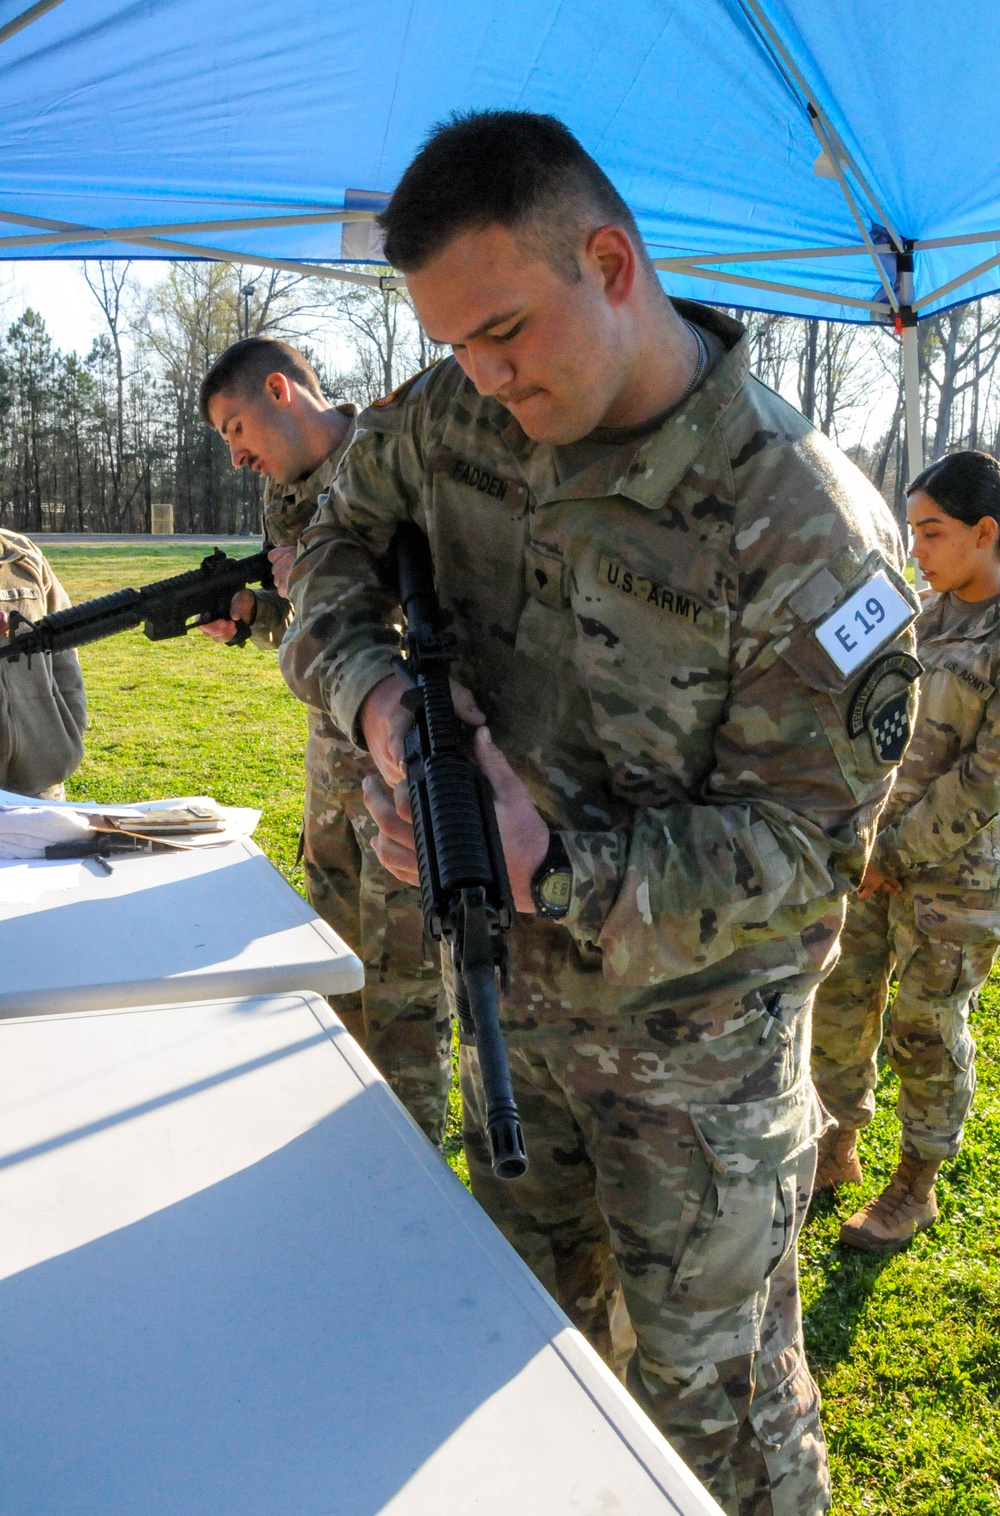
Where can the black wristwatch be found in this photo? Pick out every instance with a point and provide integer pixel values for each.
(552, 883)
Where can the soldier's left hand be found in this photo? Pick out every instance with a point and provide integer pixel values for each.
(524, 835)
(281, 560)
(873, 881)
(390, 810)
(241, 608)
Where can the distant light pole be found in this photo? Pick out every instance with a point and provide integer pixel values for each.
(247, 293)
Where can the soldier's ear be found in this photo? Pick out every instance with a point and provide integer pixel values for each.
(987, 530)
(278, 387)
(610, 253)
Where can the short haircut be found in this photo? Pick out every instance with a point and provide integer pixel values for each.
(965, 485)
(243, 368)
(503, 168)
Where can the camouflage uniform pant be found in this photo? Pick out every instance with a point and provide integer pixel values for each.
(927, 1039)
(400, 1018)
(686, 1173)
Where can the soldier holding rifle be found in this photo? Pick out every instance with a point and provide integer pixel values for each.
(265, 400)
(666, 590)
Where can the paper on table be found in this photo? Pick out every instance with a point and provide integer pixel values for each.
(9, 798)
(240, 820)
(24, 883)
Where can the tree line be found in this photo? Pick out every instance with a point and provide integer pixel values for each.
(88, 444)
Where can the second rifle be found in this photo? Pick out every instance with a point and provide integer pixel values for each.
(169, 608)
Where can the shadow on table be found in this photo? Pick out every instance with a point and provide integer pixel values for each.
(160, 929)
(298, 1338)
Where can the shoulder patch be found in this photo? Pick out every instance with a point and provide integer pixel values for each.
(402, 390)
(881, 703)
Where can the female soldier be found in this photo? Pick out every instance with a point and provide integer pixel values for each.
(929, 903)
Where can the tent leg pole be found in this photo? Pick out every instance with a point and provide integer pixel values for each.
(911, 388)
(911, 392)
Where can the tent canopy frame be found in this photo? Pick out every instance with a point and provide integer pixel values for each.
(899, 292)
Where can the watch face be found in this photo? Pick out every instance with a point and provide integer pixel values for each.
(554, 891)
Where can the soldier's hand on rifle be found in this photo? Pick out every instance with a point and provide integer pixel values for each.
(241, 608)
(4, 623)
(524, 835)
(390, 810)
(281, 560)
(385, 722)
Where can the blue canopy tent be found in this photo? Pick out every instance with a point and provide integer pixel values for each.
(815, 157)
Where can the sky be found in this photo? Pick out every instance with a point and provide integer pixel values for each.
(56, 289)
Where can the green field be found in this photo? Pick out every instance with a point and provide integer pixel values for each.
(907, 1350)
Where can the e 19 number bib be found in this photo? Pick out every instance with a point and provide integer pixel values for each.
(865, 621)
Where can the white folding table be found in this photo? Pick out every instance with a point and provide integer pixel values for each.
(166, 927)
(235, 1280)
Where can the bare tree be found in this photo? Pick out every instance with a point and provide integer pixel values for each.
(386, 339)
(960, 349)
(108, 283)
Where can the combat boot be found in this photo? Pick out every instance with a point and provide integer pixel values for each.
(837, 1160)
(905, 1207)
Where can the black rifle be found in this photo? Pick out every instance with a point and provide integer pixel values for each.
(464, 889)
(166, 607)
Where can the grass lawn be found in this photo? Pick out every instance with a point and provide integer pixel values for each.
(906, 1350)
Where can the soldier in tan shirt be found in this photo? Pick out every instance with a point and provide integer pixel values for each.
(43, 707)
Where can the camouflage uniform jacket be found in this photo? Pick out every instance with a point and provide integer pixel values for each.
(642, 638)
(43, 707)
(288, 510)
(942, 816)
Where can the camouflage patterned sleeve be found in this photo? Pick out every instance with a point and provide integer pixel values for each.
(272, 620)
(952, 809)
(786, 813)
(343, 640)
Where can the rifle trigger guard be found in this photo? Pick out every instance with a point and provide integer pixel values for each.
(240, 637)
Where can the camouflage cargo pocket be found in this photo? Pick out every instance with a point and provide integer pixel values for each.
(955, 915)
(744, 1203)
(785, 1418)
